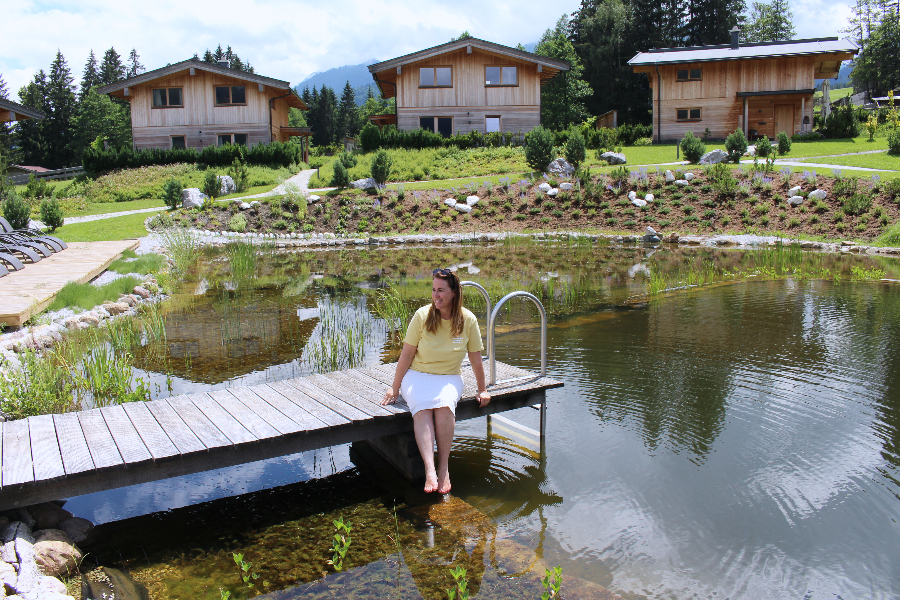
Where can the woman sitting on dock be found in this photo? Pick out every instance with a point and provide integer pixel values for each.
(428, 372)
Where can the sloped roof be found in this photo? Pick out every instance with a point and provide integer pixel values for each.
(559, 65)
(692, 54)
(20, 110)
(211, 68)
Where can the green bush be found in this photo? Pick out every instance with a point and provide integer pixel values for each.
(857, 204)
(692, 147)
(237, 223)
(16, 211)
(370, 138)
(893, 140)
(575, 150)
(812, 136)
(240, 175)
(841, 123)
(736, 145)
(892, 188)
(51, 213)
(341, 177)
(628, 135)
(37, 188)
(381, 167)
(347, 159)
(211, 186)
(172, 190)
(539, 150)
(784, 143)
(764, 147)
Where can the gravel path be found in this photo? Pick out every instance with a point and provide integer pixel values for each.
(301, 179)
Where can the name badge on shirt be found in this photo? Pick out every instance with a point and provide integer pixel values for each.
(458, 340)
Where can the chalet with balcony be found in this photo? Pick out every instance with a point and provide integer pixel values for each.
(193, 104)
(762, 88)
(11, 111)
(465, 85)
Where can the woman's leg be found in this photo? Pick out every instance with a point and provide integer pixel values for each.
(444, 423)
(423, 425)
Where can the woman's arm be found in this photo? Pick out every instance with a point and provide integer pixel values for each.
(478, 368)
(406, 358)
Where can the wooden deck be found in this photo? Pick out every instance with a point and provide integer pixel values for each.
(29, 291)
(50, 457)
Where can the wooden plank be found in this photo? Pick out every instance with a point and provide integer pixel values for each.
(256, 425)
(175, 427)
(198, 423)
(99, 440)
(17, 466)
(73, 447)
(224, 422)
(380, 387)
(347, 395)
(327, 416)
(45, 449)
(293, 418)
(325, 399)
(129, 443)
(366, 389)
(150, 431)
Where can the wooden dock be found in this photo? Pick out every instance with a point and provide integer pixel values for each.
(50, 457)
(29, 291)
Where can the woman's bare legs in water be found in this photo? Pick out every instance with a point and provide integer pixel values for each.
(430, 424)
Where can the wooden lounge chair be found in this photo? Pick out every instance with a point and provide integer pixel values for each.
(5, 227)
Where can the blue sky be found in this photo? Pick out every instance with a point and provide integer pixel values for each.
(284, 39)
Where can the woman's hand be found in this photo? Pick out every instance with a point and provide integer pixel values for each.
(484, 398)
(389, 397)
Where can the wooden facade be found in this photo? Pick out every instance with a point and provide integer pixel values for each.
(759, 94)
(12, 111)
(469, 102)
(199, 121)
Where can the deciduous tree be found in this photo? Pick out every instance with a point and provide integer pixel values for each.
(562, 97)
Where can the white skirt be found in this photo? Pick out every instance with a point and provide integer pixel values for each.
(423, 391)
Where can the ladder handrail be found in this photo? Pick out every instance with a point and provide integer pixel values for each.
(484, 292)
(492, 321)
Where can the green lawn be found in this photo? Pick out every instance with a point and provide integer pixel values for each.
(842, 146)
(117, 228)
(99, 208)
(882, 160)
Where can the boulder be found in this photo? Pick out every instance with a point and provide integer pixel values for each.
(472, 200)
(650, 231)
(794, 191)
(553, 192)
(670, 176)
(681, 182)
(364, 184)
(313, 198)
(236, 202)
(51, 588)
(714, 157)
(78, 529)
(114, 583)
(8, 577)
(795, 200)
(545, 187)
(639, 203)
(818, 194)
(451, 202)
(464, 208)
(115, 308)
(48, 515)
(688, 176)
(142, 292)
(192, 198)
(244, 206)
(566, 186)
(649, 198)
(632, 196)
(226, 185)
(127, 300)
(254, 204)
(89, 319)
(614, 158)
(560, 166)
(57, 558)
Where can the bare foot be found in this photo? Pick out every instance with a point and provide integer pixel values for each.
(431, 483)
(443, 486)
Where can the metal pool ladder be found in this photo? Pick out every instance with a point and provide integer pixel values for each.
(492, 321)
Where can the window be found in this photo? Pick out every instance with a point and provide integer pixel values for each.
(178, 142)
(441, 125)
(687, 114)
(501, 76)
(230, 95)
(167, 98)
(492, 124)
(435, 77)
(231, 138)
(688, 75)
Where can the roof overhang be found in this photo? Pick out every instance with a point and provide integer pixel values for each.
(840, 49)
(12, 111)
(776, 93)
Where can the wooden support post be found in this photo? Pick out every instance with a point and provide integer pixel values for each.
(802, 112)
(746, 128)
(401, 451)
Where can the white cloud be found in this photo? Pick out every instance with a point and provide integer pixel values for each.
(820, 18)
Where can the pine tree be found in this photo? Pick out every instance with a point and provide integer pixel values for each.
(307, 98)
(111, 68)
(6, 138)
(710, 21)
(346, 119)
(61, 106)
(29, 135)
(90, 77)
(208, 57)
(135, 67)
(769, 22)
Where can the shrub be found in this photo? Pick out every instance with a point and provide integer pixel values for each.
(892, 188)
(16, 211)
(784, 143)
(891, 236)
(628, 135)
(280, 224)
(370, 138)
(763, 147)
(237, 223)
(341, 177)
(37, 188)
(893, 140)
(575, 150)
(812, 136)
(172, 190)
(347, 159)
(841, 123)
(692, 147)
(239, 174)
(857, 204)
(211, 186)
(539, 150)
(381, 167)
(736, 145)
(51, 213)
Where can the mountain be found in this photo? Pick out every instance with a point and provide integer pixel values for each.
(842, 80)
(358, 75)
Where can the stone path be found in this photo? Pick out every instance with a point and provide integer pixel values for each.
(301, 179)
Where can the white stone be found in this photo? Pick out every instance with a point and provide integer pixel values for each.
(566, 186)
(244, 206)
(639, 202)
(794, 190)
(192, 198)
(632, 196)
(713, 157)
(464, 208)
(545, 187)
(227, 185)
(650, 231)
(818, 195)
(670, 176)
(313, 198)
(681, 182)
(254, 204)
(363, 184)
(451, 202)
(560, 166)
(472, 200)
(553, 192)
(795, 200)
(614, 158)
(688, 176)
(649, 198)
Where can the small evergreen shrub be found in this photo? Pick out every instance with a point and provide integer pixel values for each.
(381, 167)
(237, 223)
(211, 186)
(16, 211)
(347, 159)
(575, 150)
(763, 147)
(172, 190)
(736, 145)
(37, 188)
(370, 138)
(341, 177)
(692, 147)
(893, 140)
(51, 213)
(240, 175)
(841, 123)
(539, 150)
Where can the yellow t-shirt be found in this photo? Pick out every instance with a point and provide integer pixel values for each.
(437, 353)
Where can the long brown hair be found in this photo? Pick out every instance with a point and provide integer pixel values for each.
(456, 317)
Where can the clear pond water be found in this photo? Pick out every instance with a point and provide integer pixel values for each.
(737, 440)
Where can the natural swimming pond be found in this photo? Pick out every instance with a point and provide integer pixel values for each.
(734, 440)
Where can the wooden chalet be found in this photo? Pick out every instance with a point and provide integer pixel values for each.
(11, 111)
(762, 88)
(465, 85)
(193, 104)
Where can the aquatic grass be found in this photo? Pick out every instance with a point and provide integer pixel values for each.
(242, 260)
(181, 247)
(87, 296)
(339, 340)
(389, 307)
(146, 263)
(108, 378)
